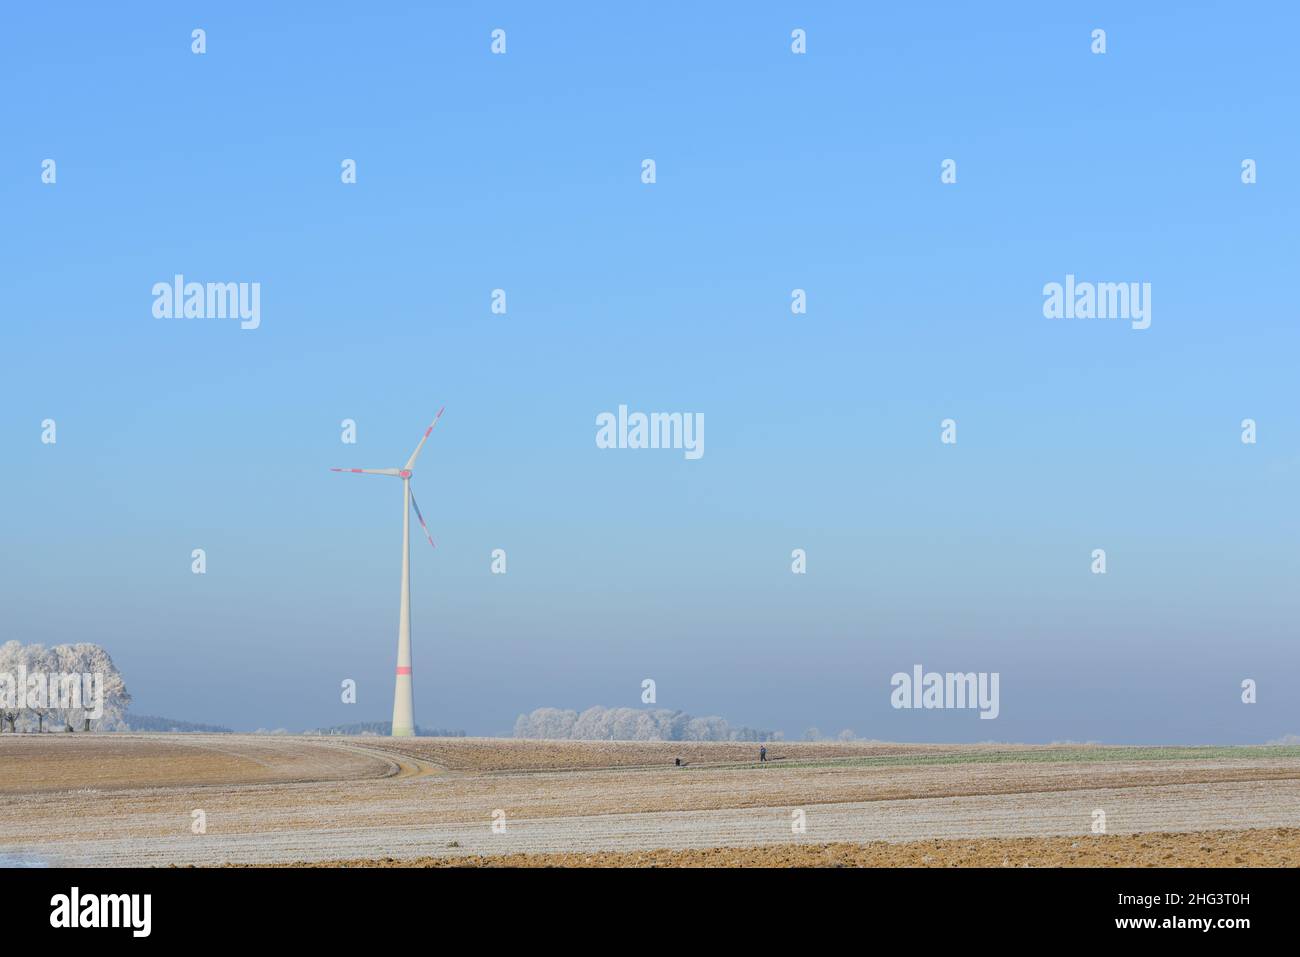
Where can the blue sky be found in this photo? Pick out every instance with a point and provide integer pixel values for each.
(775, 172)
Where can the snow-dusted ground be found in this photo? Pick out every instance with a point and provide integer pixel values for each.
(405, 807)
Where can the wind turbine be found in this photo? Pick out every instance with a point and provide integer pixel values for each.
(403, 706)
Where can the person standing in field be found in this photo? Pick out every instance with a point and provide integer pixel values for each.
(762, 753)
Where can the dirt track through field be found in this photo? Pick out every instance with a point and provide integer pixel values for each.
(128, 799)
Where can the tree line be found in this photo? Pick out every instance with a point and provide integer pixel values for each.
(632, 724)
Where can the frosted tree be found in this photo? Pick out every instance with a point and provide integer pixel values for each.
(40, 663)
(631, 724)
(43, 703)
(546, 723)
(68, 661)
(11, 656)
(90, 659)
(706, 729)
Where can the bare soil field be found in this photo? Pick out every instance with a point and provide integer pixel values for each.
(1275, 847)
(507, 754)
(128, 799)
(60, 762)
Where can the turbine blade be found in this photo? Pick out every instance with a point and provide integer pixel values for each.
(410, 463)
(421, 518)
(371, 471)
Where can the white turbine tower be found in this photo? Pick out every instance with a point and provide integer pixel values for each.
(403, 705)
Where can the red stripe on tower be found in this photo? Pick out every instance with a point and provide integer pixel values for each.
(403, 669)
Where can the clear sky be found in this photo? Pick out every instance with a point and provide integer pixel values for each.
(775, 171)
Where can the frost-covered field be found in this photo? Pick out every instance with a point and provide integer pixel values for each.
(130, 799)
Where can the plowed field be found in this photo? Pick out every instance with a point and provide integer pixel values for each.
(130, 800)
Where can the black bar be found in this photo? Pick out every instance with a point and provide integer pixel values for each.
(305, 905)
